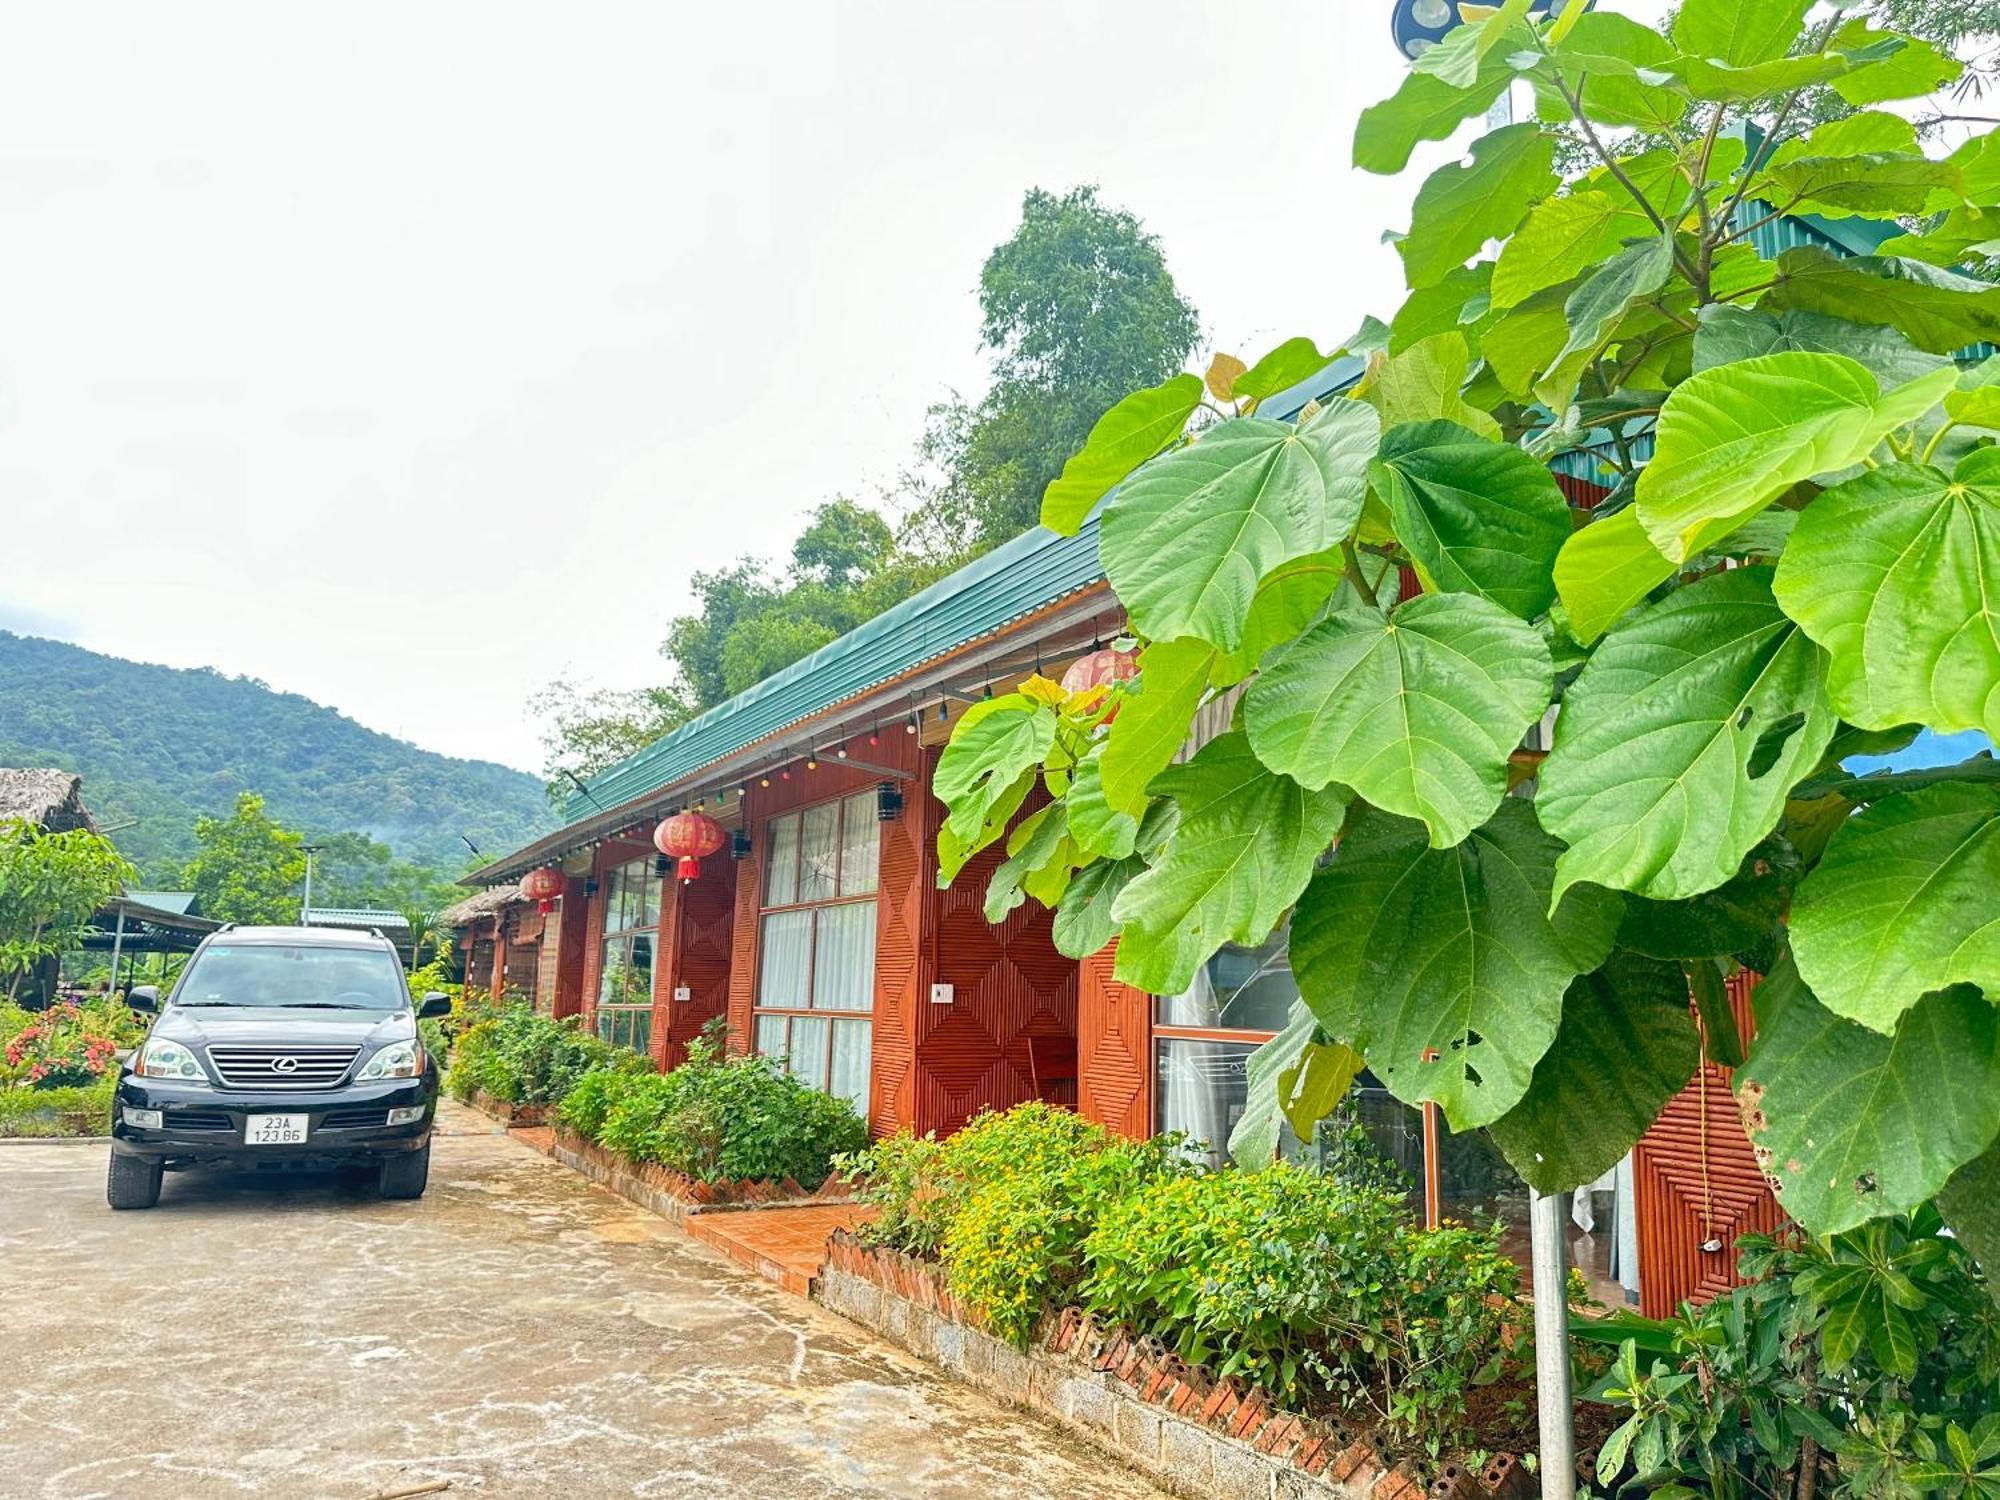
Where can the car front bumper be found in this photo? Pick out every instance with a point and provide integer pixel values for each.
(205, 1126)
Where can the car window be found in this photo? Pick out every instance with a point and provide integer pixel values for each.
(277, 974)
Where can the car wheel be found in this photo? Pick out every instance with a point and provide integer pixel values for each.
(405, 1176)
(133, 1182)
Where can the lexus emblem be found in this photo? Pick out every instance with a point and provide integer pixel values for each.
(284, 1065)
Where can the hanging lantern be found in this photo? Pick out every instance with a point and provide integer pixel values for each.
(542, 887)
(686, 837)
(1098, 671)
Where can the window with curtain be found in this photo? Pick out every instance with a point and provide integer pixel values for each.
(625, 980)
(816, 944)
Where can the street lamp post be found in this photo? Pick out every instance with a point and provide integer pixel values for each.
(305, 906)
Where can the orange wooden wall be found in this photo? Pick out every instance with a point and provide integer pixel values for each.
(1680, 1204)
(697, 921)
(1114, 1031)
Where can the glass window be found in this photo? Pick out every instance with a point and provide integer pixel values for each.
(816, 944)
(280, 974)
(625, 976)
(1240, 989)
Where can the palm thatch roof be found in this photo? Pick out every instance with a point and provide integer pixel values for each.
(488, 902)
(47, 799)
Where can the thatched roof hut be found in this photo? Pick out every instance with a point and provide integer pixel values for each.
(46, 799)
(487, 903)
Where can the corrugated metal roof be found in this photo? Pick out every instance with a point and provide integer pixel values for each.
(355, 916)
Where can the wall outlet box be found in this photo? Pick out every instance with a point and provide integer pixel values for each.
(683, 994)
(940, 994)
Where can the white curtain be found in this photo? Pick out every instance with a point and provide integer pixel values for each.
(785, 953)
(844, 958)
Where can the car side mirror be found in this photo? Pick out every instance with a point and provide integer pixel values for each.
(144, 997)
(434, 1004)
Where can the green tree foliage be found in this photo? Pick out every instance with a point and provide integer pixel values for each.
(1078, 308)
(251, 869)
(1507, 921)
(351, 869)
(50, 886)
(166, 746)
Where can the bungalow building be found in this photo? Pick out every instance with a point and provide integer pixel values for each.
(818, 934)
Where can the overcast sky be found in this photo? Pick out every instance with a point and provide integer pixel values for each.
(407, 355)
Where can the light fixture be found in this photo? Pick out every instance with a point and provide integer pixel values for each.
(739, 845)
(888, 802)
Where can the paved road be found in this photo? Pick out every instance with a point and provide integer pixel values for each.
(518, 1332)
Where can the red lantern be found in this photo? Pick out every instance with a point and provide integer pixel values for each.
(543, 886)
(1098, 671)
(686, 837)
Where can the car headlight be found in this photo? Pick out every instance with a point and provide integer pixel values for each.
(398, 1060)
(164, 1059)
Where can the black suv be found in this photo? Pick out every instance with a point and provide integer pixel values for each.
(280, 1048)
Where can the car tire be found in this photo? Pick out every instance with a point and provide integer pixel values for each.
(133, 1182)
(407, 1175)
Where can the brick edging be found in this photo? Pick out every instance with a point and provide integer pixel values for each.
(676, 1196)
(513, 1116)
(1197, 1436)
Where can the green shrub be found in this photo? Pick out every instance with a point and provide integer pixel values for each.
(83, 1109)
(899, 1176)
(529, 1059)
(468, 1058)
(718, 1119)
(1315, 1288)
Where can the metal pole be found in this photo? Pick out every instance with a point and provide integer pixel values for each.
(1552, 1394)
(117, 947)
(305, 906)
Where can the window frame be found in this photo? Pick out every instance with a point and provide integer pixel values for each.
(618, 1022)
(859, 803)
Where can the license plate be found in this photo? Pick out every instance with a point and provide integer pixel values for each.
(274, 1130)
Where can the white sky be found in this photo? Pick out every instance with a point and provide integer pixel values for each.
(405, 355)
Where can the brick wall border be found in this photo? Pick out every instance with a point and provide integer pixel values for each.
(1197, 1437)
(513, 1116)
(676, 1196)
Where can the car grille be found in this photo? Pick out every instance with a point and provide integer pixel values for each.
(198, 1119)
(355, 1119)
(282, 1067)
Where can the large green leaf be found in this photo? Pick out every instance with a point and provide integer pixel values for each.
(1970, 1203)
(1679, 740)
(1903, 903)
(1459, 208)
(1286, 365)
(1729, 333)
(1626, 1046)
(1897, 574)
(1187, 539)
(1595, 309)
(1560, 238)
(1908, 70)
(1604, 569)
(1426, 107)
(1739, 917)
(1125, 437)
(1476, 515)
(1620, 71)
(1457, 301)
(1242, 852)
(1442, 965)
(1040, 858)
(1098, 828)
(1296, 1076)
(1084, 923)
(996, 741)
(1876, 183)
(1417, 712)
(1738, 32)
(1734, 437)
(1935, 309)
(955, 848)
(1152, 723)
(1854, 1124)
(1523, 341)
(1423, 384)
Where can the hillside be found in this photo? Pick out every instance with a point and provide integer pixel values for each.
(164, 745)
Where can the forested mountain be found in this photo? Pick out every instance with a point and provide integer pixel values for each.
(164, 745)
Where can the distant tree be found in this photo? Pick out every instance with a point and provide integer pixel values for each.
(249, 868)
(1078, 308)
(51, 884)
(353, 869)
(586, 729)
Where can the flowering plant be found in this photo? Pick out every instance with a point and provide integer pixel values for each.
(61, 1047)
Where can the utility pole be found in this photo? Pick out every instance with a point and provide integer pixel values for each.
(305, 906)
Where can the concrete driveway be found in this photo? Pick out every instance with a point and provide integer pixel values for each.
(517, 1332)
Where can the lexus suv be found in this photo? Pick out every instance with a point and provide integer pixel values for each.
(280, 1048)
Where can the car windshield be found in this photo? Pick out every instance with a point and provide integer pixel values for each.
(277, 974)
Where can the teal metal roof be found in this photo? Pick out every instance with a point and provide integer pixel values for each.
(181, 903)
(356, 916)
